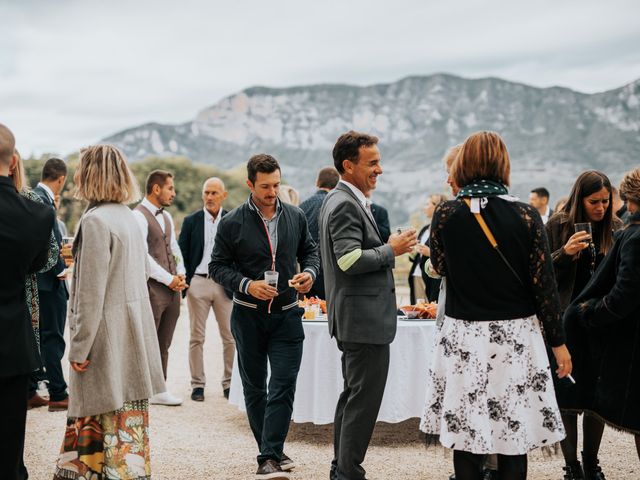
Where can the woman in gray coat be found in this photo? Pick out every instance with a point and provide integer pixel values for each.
(113, 349)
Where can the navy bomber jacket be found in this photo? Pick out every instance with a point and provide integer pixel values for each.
(242, 252)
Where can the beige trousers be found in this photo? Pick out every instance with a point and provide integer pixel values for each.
(203, 295)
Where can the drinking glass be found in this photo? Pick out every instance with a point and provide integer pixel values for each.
(271, 277)
(583, 227)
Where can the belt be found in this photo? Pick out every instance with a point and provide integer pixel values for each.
(203, 275)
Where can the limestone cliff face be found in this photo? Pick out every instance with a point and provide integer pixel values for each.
(552, 133)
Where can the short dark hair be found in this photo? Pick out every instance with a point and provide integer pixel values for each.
(263, 163)
(157, 177)
(53, 169)
(328, 177)
(541, 192)
(347, 147)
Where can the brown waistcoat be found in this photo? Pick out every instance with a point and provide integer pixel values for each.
(159, 245)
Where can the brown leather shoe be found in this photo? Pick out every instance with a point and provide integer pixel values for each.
(270, 470)
(36, 401)
(59, 406)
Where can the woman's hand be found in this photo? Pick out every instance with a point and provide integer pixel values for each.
(576, 243)
(80, 367)
(563, 359)
(423, 250)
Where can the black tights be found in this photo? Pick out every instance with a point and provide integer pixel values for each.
(592, 430)
(468, 466)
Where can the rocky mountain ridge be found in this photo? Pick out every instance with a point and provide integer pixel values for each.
(552, 133)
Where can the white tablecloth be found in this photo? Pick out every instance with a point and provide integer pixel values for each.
(320, 379)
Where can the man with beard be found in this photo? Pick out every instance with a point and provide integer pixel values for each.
(167, 272)
(260, 239)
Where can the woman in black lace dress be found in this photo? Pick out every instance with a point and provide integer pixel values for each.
(576, 256)
(489, 389)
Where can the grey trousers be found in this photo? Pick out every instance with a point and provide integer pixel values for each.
(364, 369)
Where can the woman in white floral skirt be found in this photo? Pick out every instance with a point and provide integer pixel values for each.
(490, 388)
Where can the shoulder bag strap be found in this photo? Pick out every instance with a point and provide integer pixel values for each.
(492, 240)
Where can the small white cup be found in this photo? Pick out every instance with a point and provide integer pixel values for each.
(271, 278)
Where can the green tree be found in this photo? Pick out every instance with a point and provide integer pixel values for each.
(188, 178)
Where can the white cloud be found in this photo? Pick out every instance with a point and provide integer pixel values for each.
(74, 71)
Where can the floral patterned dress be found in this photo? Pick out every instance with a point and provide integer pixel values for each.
(112, 445)
(490, 387)
(31, 284)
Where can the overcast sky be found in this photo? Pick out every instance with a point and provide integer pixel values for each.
(75, 71)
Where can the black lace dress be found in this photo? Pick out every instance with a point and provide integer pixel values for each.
(490, 388)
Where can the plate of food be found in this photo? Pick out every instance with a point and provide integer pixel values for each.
(420, 311)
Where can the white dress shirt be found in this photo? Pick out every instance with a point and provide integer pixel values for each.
(422, 241)
(210, 230)
(156, 271)
(366, 203)
(545, 217)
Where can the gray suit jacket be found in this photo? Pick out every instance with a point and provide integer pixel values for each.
(361, 300)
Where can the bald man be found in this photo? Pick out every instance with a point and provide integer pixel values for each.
(196, 243)
(25, 229)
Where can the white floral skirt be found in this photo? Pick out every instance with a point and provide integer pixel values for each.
(489, 389)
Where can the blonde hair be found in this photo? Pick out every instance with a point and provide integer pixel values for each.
(451, 155)
(104, 176)
(18, 175)
(483, 156)
(438, 198)
(630, 186)
(289, 195)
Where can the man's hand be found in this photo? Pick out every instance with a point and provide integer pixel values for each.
(302, 282)
(260, 290)
(80, 367)
(178, 283)
(404, 242)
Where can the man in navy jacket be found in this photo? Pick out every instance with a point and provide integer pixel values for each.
(262, 235)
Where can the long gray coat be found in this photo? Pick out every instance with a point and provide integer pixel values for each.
(110, 318)
(361, 300)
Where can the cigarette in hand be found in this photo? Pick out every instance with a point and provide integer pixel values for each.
(571, 378)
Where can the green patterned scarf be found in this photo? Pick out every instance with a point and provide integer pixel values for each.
(483, 188)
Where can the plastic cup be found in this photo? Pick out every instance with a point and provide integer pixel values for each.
(271, 278)
(311, 312)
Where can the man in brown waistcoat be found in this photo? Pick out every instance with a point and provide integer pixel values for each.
(166, 272)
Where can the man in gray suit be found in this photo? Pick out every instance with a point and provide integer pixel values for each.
(361, 299)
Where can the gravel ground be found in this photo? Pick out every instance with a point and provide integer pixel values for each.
(212, 440)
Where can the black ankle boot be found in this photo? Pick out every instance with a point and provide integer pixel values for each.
(573, 471)
(592, 470)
